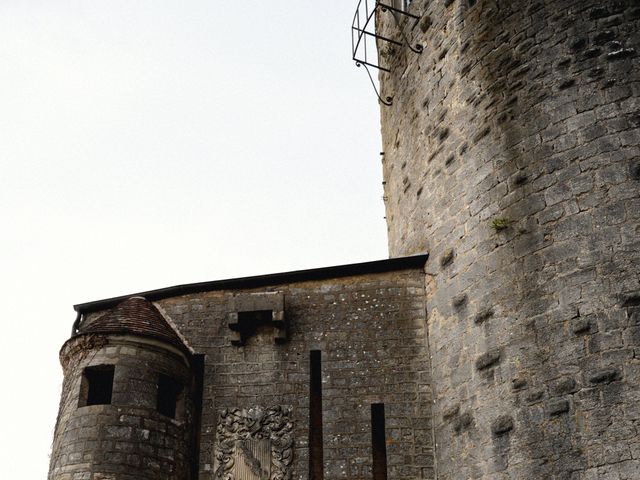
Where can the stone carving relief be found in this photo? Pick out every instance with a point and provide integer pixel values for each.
(254, 444)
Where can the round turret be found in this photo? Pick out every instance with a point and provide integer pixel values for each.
(512, 156)
(127, 405)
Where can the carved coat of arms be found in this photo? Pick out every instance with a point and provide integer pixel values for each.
(254, 444)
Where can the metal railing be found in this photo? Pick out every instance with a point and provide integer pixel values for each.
(364, 39)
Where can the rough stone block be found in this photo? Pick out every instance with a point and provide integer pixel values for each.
(606, 375)
(502, 425)
(558, 407)
(488, 359)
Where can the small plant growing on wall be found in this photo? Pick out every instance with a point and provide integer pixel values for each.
(499, 224)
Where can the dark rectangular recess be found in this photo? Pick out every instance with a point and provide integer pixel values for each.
(97, 385)
(169, 395)
(256, 317)
(197, 362)
(316, 461)
(249, 322)
(378, 442)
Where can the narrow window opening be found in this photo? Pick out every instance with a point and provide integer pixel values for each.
(96, 386)
(170, 397)
(378, 442)
(198, 370)
(315, 417)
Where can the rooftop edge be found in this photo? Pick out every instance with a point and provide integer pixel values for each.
(377, 266)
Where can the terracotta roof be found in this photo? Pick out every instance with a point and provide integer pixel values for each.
(135, 316)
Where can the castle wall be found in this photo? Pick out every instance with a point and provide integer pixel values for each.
(126, 439)
(371, 332)
(512, 155)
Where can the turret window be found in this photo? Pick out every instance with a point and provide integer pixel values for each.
(96, 387)
(170, 397)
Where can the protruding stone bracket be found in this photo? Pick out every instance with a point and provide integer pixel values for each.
(249, 312)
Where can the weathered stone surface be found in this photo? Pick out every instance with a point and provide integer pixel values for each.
(488, 359)
(539, 102)
(558, 407)
(483, 315)
(371, 330)
(129, 438)
(463, 422)
(604, 376)
(512, 156)
(502, 425)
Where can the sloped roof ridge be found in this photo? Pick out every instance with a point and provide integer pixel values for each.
(137, 316)
(173, 326)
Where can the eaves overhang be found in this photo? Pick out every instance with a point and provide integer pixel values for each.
(354, 269)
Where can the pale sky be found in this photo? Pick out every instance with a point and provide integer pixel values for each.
(149, 143)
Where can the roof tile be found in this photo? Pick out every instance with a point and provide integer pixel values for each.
(135, 316)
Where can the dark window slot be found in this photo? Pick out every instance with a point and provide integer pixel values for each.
(198, 370)
(169, 396)
(96, 386)
(315, 417)
(378, 442)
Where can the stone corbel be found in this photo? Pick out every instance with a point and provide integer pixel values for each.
(249, 311)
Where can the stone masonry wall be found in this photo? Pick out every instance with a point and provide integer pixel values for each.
(371, 331)
(128, 439)
(512, 155)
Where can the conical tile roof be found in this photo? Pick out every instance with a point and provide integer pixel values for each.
(135, 316)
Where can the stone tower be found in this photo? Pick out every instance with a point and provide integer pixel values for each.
(512, 169)
(512, 156)
(127, 408)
